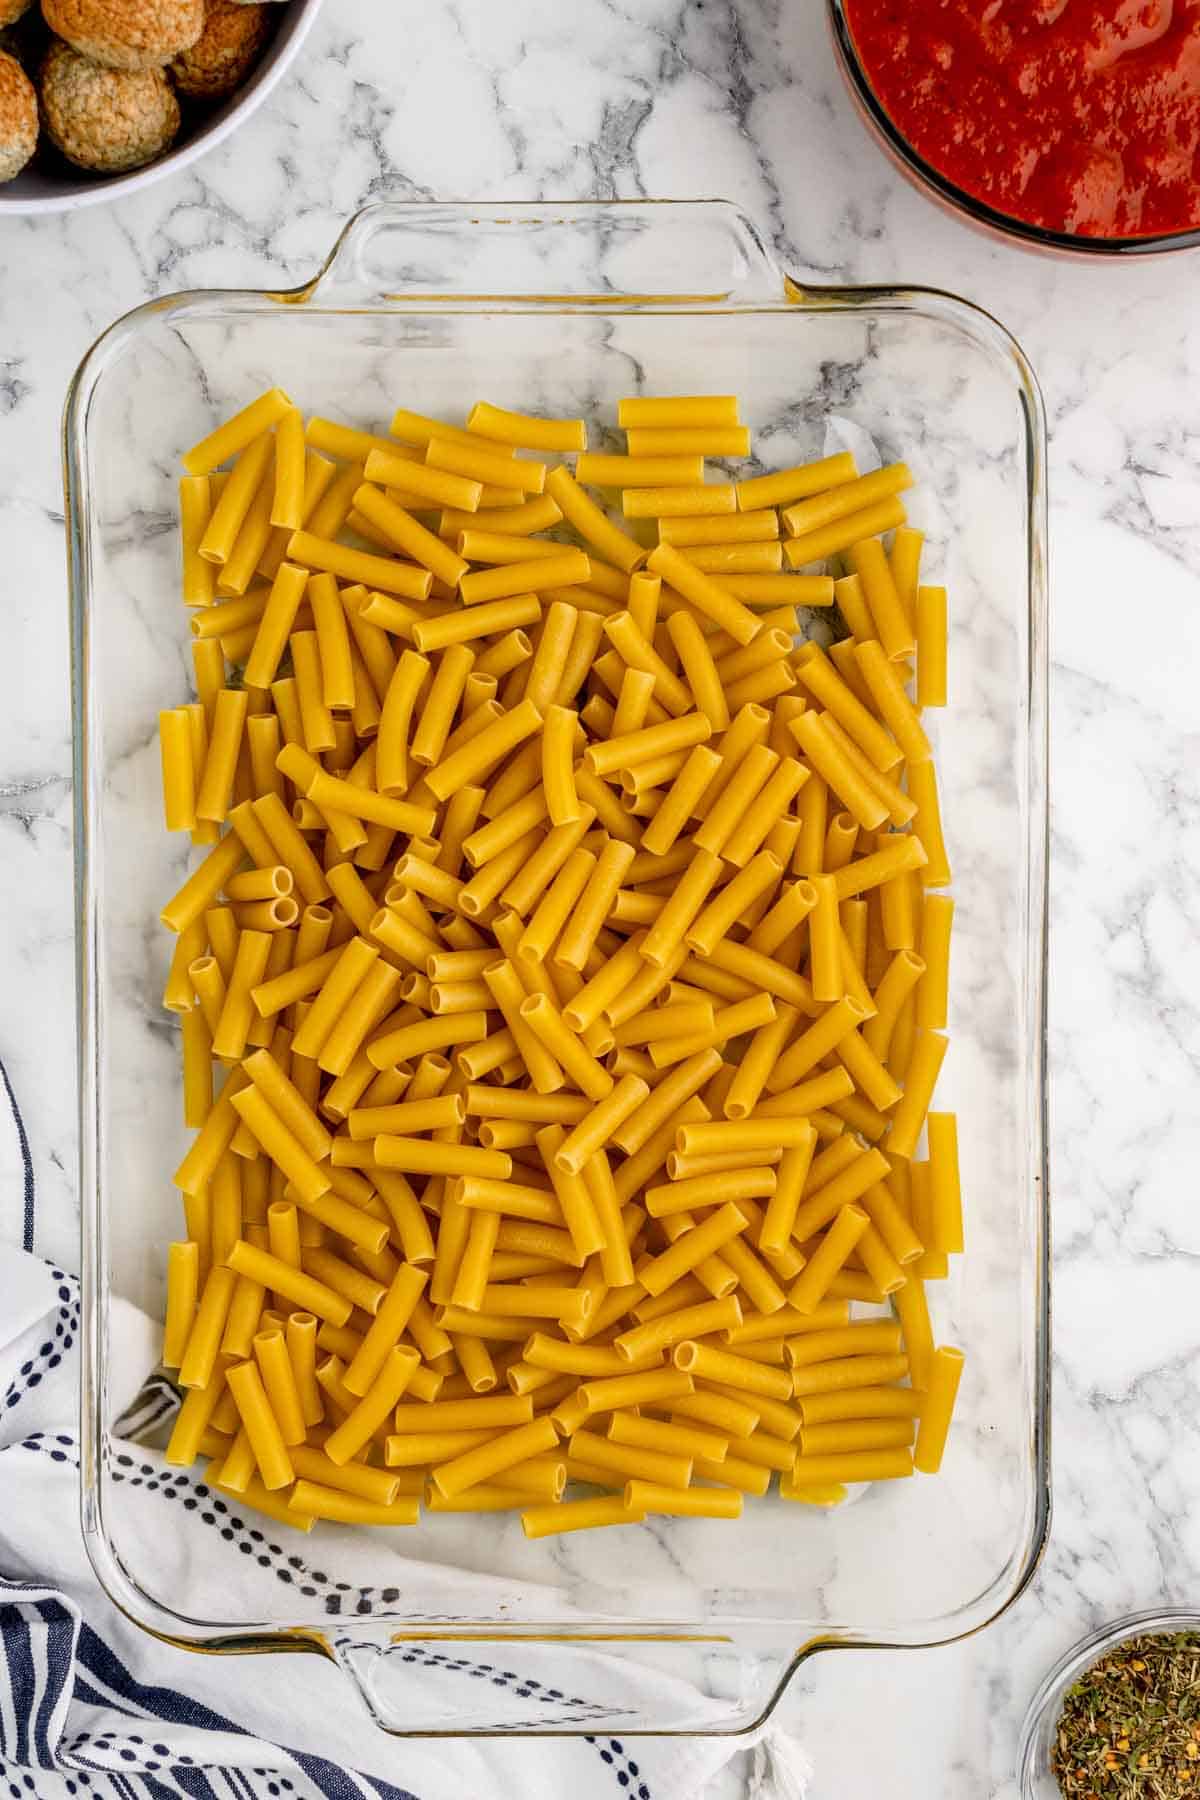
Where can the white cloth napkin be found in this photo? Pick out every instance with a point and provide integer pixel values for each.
(92, 1706)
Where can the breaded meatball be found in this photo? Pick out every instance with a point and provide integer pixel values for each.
(12, 10)
(127, 34)
(225, 52)
(106, 119)
(18, 117)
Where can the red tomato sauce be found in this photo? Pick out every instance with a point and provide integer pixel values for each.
(1079, 116)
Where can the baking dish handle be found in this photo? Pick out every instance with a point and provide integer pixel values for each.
(641, 252)
(431, 1682)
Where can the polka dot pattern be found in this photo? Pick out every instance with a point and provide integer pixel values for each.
(106, 1751)
(62, 1337)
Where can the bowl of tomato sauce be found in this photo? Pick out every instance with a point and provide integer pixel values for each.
(1072, 125)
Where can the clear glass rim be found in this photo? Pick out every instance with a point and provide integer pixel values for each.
(1158, 1621)
(978, 211)
(794, 296)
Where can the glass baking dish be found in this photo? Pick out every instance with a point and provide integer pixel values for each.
(686, 1625)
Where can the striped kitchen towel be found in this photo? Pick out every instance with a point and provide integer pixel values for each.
(92, 1708)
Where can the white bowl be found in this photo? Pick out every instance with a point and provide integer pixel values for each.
(51, 185)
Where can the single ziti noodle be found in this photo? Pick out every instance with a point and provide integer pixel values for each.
(563, 983)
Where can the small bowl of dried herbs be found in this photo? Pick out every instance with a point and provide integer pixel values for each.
(1119, 1717)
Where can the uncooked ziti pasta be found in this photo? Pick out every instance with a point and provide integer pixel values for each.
(563, 985)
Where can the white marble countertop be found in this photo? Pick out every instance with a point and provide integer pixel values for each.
(538, 100)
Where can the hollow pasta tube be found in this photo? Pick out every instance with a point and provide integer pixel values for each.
(813, 1472)
(673, 1328)
(279, 1383)
(786, 486)
(236, 499)
(195, 510)
(841, 534)
(937, 918)
(946, 1215)
(183, 1271)
(578, 1515)
(842, 500)
(603, 1122)
(812, 1284)
(927, 825)
(261, 1426)
(301, 1339)
(375, 1406)
(931, 646)
(304, 1291)
(728, 613)
(820, 677)
(892, 625)
(891, 701)
(944, 1377)
(904, 972)
(236, 432)
(929, 1050)
(502, 1452)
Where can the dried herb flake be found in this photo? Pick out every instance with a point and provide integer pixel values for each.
(1129, 1728)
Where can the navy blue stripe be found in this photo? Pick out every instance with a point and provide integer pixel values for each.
(156, 1789)
(83, 1690)
(193, 1781)
(159, 1790)
(242, 1788)
(181, 1709)
(60, 1640)
(383, 1788)
(30, 1193)
(165, 1703)
(18, 1652)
